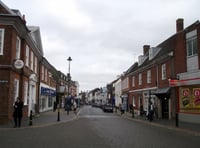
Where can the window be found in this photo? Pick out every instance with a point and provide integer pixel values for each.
(140, 79)
(35, 64)
(149, 76)
(191, 43)
(31, 62)
(133, 81)
(27, 56)
(25, 93)
(1, 41)
(125, 83)
(45, 75)
(18, 48)
(163, 71)
(42, 72)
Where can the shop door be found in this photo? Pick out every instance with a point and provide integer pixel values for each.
(165, 108)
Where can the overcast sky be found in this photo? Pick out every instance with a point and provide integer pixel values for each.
(103, 37)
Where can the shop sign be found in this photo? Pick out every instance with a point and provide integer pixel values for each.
(47, 91)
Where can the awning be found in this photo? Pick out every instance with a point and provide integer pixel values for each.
(162, 91)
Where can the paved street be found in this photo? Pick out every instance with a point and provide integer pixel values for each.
(94, 129)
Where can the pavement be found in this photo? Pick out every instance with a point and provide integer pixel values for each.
(190, 128)
(51, 118)
(44, 119)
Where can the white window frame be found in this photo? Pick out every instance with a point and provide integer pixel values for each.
(164, 72)
(27, 56)
(140, 79)
(148, 76)
(35, 65)
(45, 75)
(1, 41)
(192, 43)
(18, 47)
(31, 62)
(42, 73)
(133, 81)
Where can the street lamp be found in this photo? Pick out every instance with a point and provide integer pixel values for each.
(68, 75)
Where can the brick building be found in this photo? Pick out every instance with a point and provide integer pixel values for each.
(19, 58)
(24, 71)
(168, 75)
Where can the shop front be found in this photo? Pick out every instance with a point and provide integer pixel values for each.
(189, 103)
(47, 98)
(163, 102)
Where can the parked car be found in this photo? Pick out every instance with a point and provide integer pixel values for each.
(108, 108)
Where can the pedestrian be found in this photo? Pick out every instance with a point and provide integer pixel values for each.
(67, 104)
(122, 108)
(75, 107)
(141, 110)
(17, 114)
(151, 113)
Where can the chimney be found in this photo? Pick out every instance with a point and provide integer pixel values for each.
(179, 25)
(146, 49)
(24, 19)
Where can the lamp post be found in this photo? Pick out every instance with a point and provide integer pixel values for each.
(68, 75)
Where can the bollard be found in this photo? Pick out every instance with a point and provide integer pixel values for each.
(30, 118)
(58, 117)
(176, 120)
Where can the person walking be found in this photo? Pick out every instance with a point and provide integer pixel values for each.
(17, 114)
(151, 113)
(75, 107)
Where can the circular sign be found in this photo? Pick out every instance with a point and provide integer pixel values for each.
(18, 64)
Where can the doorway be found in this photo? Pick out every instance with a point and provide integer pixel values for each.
(165, 108)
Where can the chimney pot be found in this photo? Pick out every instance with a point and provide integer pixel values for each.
(146, 49)
(179, 25)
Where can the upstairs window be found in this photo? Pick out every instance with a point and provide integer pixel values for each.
(192, 51)
(31, 62)
(140, 79)
(27, 56)
(1, 41)
(18, 48)
(163, 71)
(191, 43)
(149, 76)
(42, 73)
(133, 81)
(35, 65)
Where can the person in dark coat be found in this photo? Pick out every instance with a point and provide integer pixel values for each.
(17, 114)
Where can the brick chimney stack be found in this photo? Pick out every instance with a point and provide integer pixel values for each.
(146, 49)
(179, 25)
(24, 19)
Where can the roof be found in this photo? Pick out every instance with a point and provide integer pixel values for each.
(35, 34)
